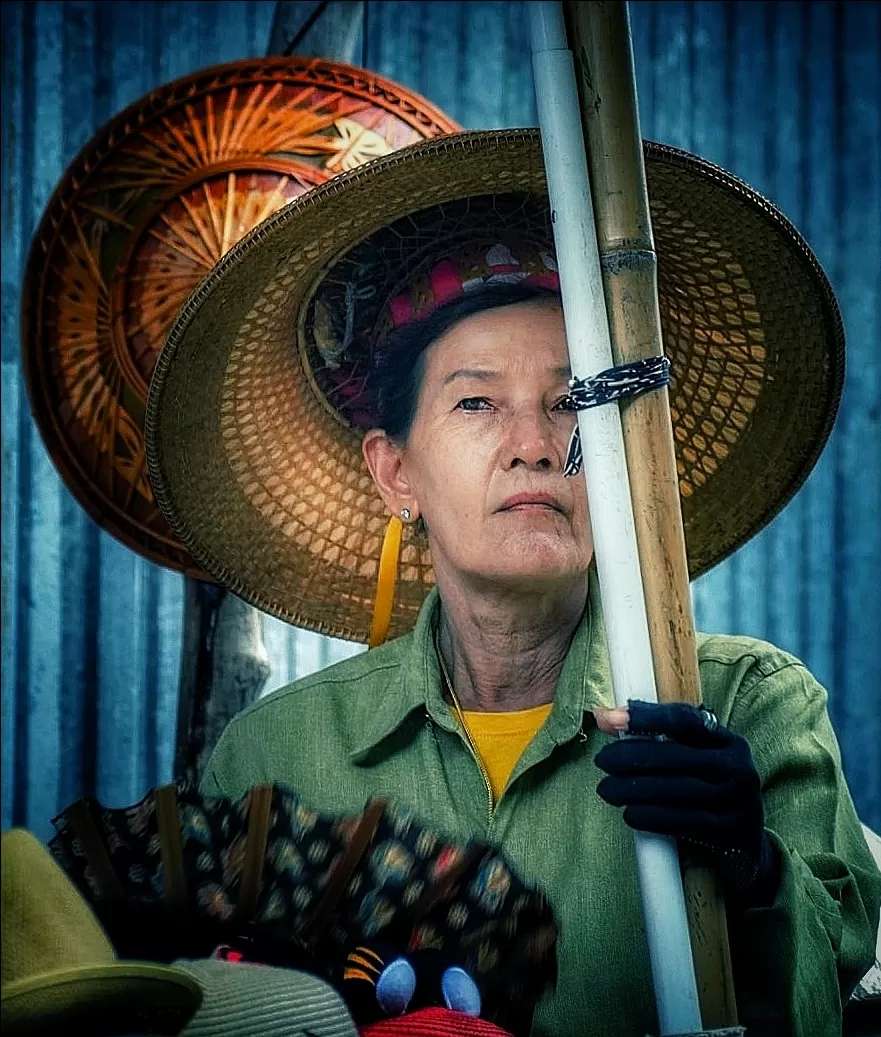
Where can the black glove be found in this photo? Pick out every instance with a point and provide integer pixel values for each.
(697, 783)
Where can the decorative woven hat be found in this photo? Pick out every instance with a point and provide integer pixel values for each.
(141, 215)
(257, 466)
(59, 971)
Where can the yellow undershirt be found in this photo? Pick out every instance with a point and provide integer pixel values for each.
(500, 739)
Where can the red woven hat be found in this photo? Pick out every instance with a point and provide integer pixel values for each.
(146, 209)
(433, 1022)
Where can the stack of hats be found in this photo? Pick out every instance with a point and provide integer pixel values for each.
(59, 973)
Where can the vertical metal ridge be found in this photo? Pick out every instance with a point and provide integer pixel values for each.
(804, 187)
(21, 741)
(91, 626)
(773, 579)
(150, 638)
(839, 619)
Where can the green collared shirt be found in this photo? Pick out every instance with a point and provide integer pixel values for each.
(377, 724)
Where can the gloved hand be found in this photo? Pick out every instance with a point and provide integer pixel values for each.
(697, 783)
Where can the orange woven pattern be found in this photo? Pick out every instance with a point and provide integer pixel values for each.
(143, 214)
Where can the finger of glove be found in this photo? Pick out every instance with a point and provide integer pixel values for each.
(633, 757)
(699, 825)
(686, 793)
(677, 720)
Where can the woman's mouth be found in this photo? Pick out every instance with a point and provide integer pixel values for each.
(531, 502)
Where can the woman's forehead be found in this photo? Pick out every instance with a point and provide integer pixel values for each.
(526, 337)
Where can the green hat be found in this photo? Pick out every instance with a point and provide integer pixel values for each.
(58, 970)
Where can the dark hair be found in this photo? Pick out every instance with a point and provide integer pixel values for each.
(398, 364)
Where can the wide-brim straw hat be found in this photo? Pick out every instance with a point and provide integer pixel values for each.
(59, 971)
(261, 474)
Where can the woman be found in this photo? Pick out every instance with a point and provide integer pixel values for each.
(394, 344)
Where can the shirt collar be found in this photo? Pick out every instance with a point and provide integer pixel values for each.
(584, 683)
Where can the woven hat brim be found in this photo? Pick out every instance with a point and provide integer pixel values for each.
(101, 1000)
(265, 482)
(242, 999)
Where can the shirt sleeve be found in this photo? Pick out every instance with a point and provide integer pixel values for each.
(235, 764)
(796, 961)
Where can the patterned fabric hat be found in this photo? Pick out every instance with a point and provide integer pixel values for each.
(260, 470)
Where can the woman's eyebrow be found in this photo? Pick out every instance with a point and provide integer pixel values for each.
(485, 375)
(482, 374)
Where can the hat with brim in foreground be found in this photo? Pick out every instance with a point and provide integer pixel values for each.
(257, 465)
(59, 971)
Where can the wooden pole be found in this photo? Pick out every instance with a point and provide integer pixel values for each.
(224, 668)
(224, 664)
(599, 37)
(320, 30)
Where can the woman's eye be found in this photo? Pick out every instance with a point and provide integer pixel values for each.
(565, 404)
(472, 403)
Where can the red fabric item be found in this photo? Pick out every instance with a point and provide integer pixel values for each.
(433, 1022)
(445, 282)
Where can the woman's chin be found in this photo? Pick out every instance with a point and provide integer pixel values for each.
(531, 560)
(536, 566)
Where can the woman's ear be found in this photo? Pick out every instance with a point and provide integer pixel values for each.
(384, 459)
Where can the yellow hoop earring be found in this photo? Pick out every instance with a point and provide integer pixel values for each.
(386, 580)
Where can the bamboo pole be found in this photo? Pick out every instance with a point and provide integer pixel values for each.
(599, 37)
(608, 491)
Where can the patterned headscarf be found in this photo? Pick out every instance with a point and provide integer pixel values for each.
(469, 269)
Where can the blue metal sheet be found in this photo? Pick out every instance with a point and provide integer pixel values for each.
(786, 95)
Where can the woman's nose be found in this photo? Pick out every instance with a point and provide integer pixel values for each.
(532, 442)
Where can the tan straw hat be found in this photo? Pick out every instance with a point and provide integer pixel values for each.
(142, 214)
(59, 972)
(259, 470)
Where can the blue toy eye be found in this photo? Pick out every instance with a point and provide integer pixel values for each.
(460, 991)
(395, 987)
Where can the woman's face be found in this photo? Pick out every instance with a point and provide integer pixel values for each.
(484, 458)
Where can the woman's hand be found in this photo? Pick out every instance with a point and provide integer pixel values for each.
(678, 772)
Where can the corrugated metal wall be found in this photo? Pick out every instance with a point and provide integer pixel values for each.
(784, 94)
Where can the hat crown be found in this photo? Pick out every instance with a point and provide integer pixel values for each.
(46, 923)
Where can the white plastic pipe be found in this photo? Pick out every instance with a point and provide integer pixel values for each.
(608, 489)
